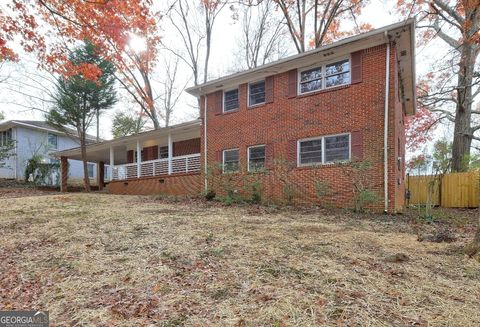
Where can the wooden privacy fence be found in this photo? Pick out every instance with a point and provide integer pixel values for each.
(454, 190)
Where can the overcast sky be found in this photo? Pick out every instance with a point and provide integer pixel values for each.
(225, 39)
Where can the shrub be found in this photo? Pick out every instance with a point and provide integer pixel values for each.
(40, 173)
(364, 198)
(358, 172)
(210, 195)
(322, 189)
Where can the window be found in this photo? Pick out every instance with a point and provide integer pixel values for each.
(311, 80)
(310, 152)
(231, 161)
(256, 93)
(141, 154)
(106, 172)
(5, 137)
(230, 100)
(52, 141)
(91, 170)
(337, 73)
(256, 158)
(337, 148)
(163, 152)
(330, 75)
(324, 150)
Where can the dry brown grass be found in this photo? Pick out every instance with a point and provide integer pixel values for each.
(109, 260)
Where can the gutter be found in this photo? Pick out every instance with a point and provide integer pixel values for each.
(385, 135)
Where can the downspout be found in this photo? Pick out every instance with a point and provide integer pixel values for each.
(205, 142)
(15, 171)
(385, 136)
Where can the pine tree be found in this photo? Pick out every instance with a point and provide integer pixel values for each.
(78, 98)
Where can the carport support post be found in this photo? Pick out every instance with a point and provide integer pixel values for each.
(63, 173)
(170, 153)
(112, 163)
(139, 159)
(100, 175)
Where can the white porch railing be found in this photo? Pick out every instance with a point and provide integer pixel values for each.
(159, 167)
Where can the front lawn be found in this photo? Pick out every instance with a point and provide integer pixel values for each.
(105, 260)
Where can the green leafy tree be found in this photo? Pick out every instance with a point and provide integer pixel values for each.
(78, 98)
(125, 124)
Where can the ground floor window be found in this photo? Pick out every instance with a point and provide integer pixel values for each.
(325, 149)
(256, 158)
(5, 137)
(91, 170)
(163, 152)
(231, 160)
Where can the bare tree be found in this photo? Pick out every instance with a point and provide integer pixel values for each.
(262, 35)
(194, 24)
(171, 93)
(321, 17)
(455, 80)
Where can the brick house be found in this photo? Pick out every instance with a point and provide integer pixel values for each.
(301, 120)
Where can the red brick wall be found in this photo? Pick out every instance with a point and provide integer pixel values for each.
(356, 107)
(188, 184)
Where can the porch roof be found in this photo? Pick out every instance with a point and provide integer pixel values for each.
(101, 151)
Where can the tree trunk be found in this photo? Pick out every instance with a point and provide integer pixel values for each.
(207, 51)
(83, 147)
(462, 137)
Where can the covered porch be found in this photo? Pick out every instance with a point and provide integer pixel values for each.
(164, 152)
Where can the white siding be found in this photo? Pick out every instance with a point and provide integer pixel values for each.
(33, 141)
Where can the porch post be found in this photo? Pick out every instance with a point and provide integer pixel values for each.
(139, 159)
(100, 175)
(112, 163)
(63, 173)
(170, 153)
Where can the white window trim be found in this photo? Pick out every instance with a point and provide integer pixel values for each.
(323, 163)
(48, 142)
(248, 155)
(223, 161)
(223, 100)
(323, 78)
(158, 151)
(248, 93)
(91, 164)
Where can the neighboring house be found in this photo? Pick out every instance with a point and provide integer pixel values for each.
(314, 111)
(38, 137)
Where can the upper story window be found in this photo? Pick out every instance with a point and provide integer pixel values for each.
(256, 158)
(311, 80)
(324, 150)
(163, 152)
(256, 93)
(337, 73)
(230, 100)
(322, 77)
(5, 137)
(231, 160)
(52, 140)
